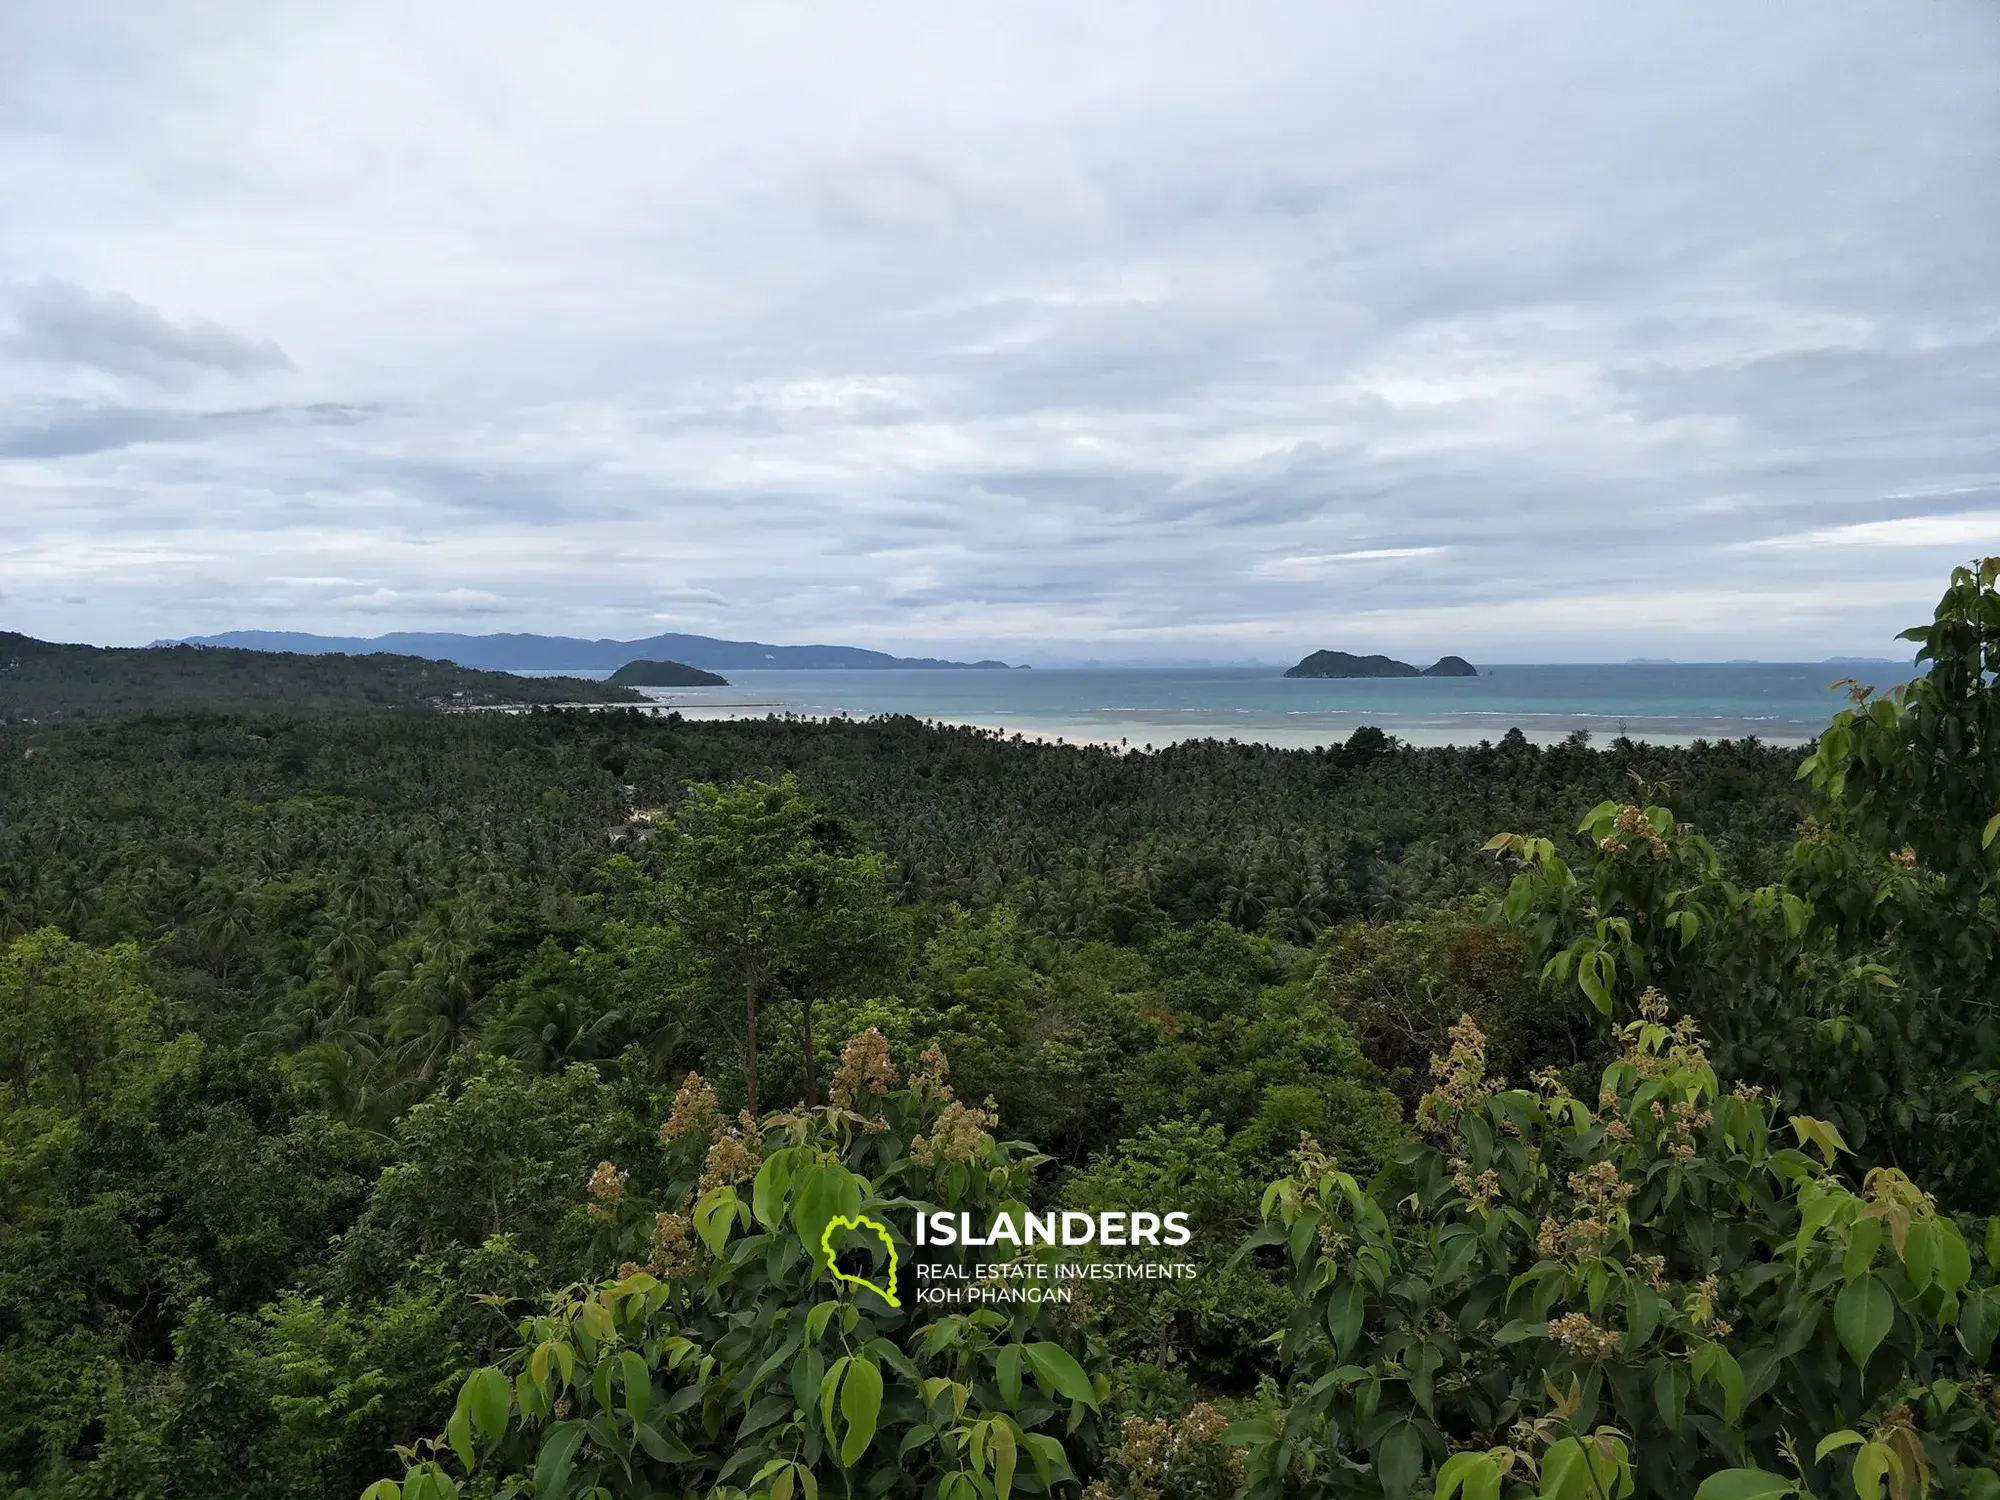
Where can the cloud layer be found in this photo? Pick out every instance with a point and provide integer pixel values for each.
(1556, 331)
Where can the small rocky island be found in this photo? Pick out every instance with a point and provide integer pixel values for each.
(1345, 664)
(664, 674)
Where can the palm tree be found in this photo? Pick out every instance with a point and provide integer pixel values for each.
(344, 947)
(223, 930)
(1243, 895)
(547, 1031)
(437, 1012)
(352, 1084)
(1301, 909)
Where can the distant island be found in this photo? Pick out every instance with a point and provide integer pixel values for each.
(1345, 664)
(42, 682)
(568, 653)
(664, 674)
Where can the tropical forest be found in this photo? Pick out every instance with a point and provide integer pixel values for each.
(399, 1103)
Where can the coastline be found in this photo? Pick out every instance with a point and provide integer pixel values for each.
(1663, 704)
(1148, 733)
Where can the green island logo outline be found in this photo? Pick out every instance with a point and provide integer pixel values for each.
(860, 1221)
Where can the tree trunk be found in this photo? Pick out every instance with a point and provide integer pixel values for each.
(812, 1058)
(750, 1039)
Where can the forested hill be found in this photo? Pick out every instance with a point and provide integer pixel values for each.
(43, 681)
(564, 653)
(397, 1106)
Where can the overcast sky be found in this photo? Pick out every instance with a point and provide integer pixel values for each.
(1524, 331)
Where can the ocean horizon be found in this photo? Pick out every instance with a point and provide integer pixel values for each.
(1673, 703)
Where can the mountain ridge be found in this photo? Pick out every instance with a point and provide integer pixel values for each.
(56, 680)
(518, 651)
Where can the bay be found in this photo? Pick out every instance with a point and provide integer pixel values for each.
(1659, 702)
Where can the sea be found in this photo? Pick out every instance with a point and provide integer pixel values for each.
(1152, 707)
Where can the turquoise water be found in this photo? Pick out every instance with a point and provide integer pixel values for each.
(1666, 703)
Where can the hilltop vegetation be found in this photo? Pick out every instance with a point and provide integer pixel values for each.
(1550, 1122)
(664, 674)
(43, 681)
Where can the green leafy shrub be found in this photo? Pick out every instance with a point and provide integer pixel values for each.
(732, 1362)
(1210, 1328)
(1621, 1299)
(1400, 986)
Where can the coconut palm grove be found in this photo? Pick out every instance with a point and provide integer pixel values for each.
(401, 1104)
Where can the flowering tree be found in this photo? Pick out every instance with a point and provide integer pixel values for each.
(724, 1361)
(1663, 1291)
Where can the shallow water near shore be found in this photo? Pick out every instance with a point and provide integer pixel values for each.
(1664, 703)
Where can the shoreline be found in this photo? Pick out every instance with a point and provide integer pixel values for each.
(1151, 734)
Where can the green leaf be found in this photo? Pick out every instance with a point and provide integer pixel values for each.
(600, 1385)
(1643, 1316)
(818, 1317)
(1006, 1456)
(715, 1216)
(1344, 1310)
(531, 1397)
(807, 1372)
(1251, 1432)
(819, 1193)
(1057, 1369)
(383, 1489)
(1821, 1134)
(597, 1320)
(1472, 1476)
(1863, 1240)
(1874, 1464)
(773, 1185)
(1670, 1395)
(488, 1396)
(764, 1413)
(664, 1446)
(1833, 1442)
(1920, 1253)
(556, 1459)
(1007, 1375)
(1604, 812)
(638, 1382)
(1594, 974)
(1863, 1315)
(861, 1404)
(1745, 1484)
(458, 1432)
(1954, 1263)
(1992, 832)
(1051, 1463)
(829, 1388)
(1399, 1459)
(1979, 1322)
(1716, 1363)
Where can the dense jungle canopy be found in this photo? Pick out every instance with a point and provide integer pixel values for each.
(45, 682)
(433, 1104)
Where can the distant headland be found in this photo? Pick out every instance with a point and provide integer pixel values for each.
(664, 674)
(1345, 664)
(561, 653)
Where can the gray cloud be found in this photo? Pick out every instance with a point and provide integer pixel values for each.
(73, 428)
(62, 323)
(1525, 332)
